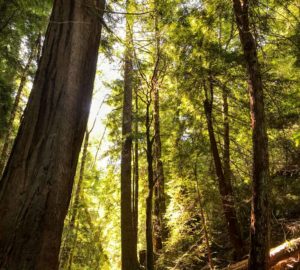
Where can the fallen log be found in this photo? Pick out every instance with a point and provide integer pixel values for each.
(284, 251)
(290, 263)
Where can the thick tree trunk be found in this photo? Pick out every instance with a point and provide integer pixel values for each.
(225, 187)
(259, 230)
(37, 182)
(4, 152)
(128, 246)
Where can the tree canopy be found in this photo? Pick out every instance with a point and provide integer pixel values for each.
(191, 155)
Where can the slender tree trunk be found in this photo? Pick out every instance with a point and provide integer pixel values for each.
(204, 224)
(136, 173)
(5, 148)
(129, 249)
(149, 199)
(159, 202)
(37, 182)
(159, 196)
(226, 138)
(260, 216)
(225, 186)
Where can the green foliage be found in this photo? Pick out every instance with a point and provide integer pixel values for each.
(198, 43)
(296, 138)
(5, 104)
(21, 22)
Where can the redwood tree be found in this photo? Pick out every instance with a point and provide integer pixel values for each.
(259, 231)
(37, 182)
(128, 244)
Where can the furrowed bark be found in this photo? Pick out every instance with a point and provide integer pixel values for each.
(37, 182)
(260, 220)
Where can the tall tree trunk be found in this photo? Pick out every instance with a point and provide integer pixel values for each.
(4, 152)
(159, 201)
(129, 249)
(37, 182)
(149, 199)
(136, 173)
(260, 220)
(226, 138)
(159, 196)
(225, 187)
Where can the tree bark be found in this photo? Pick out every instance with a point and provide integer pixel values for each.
(37, 182)
(225, 187)
(260, 227)
(4, 152)
(159, 196)
(136, 174)
(128, 246)
(226, 138)
(149, 199)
